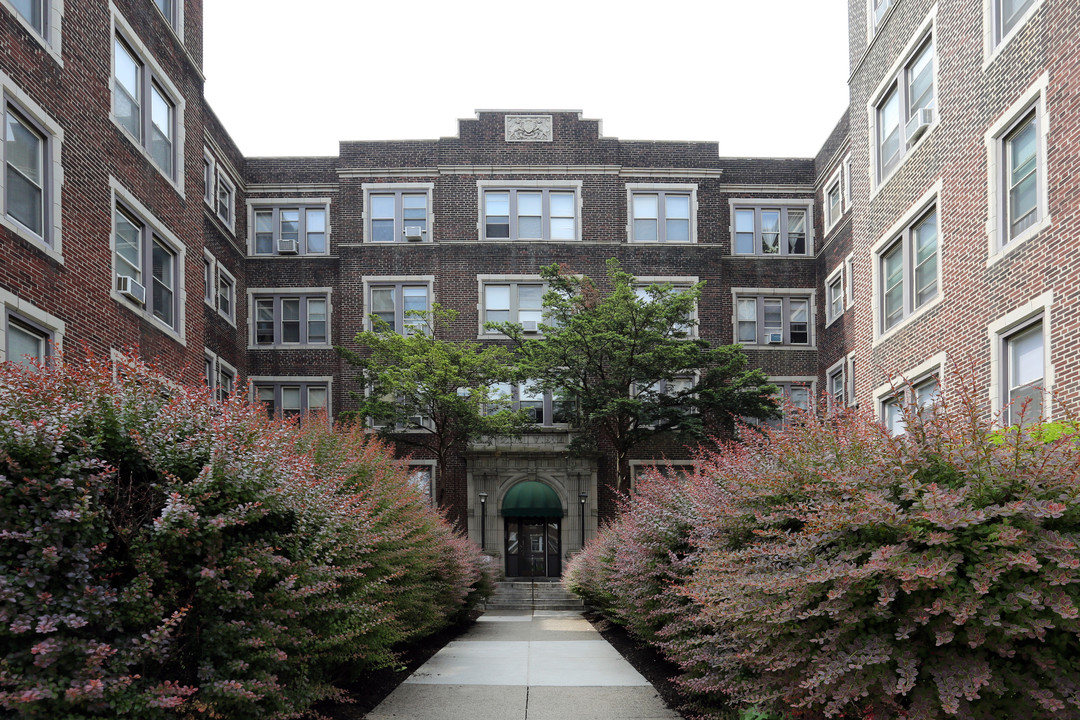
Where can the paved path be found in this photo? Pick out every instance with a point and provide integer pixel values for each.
(542, 665)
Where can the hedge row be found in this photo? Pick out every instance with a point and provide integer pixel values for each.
(162, 555)
(831, 570)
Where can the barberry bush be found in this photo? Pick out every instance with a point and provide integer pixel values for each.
(837, 571)
(164, 555)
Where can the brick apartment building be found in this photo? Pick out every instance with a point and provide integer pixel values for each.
(922, 235)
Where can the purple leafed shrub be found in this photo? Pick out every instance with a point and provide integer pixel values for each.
(162, 555)
(837, 571)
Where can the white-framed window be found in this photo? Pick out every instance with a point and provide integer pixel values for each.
(639, 468)
(798, 392)
(283, 227)
(849, 280)
(226, 294)
(289, 317)
(836, 384)
(834, 197)
(919, 387)
(209, 369)
(292, 397)
(422, 477)
(1004, 20)
(541, 211)
(904, 107)
(878, 10)
(173, 12)
(209, 189)
(1021, 365)
(661, 213)
(772, 227)
(511, 299)
(1017, 172)
(225, 206)
(42, 20)
(909, 269)
(27, 334)
(148, 263)
(398, 212)
(395, 300)
(687, 329)
(146, 104)
(209, 273)
(225, 380)
(543, 407)
(773, 318)
(834, 295)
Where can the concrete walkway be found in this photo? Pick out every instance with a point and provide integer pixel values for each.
(526, 665)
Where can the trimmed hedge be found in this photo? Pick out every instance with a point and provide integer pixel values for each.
(830, 569)
(163, 555)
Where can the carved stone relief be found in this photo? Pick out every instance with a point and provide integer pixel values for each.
(528, 128)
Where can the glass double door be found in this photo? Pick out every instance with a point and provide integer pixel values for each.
(532, 547)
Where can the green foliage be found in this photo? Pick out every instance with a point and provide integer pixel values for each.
(166, 556)
(630, 365)
(423, 375)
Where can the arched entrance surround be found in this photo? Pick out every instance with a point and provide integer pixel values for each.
(532, 514)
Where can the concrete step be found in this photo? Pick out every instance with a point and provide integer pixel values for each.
(540, 595)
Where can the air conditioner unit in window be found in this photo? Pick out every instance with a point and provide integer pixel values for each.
(414, 233)
(918, 123)
(774, 338)
(530, 326)
(287, 246)
(127, 285)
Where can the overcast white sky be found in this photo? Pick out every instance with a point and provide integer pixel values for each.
(765, 78)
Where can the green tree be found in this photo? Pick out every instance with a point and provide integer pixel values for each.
(629, 362)
(439, 388)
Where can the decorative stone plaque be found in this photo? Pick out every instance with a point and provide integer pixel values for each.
(528, 128)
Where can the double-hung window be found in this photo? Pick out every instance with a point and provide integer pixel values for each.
(836, 382)
(542, 407)
(878, 10)
(398, 304)
(685, 328)
(923, 393)
(226, 199)
(397, 213)
(283, 319)
(834, 295)
(34, 12)
(144, 107)
(908, 270)
(520, 302)
(285, 230)
(170, 9)
(771, 230)
(906, 108)
(226, 294)
(1008, 15)
(1024, 374)
(147, 267)
(535, 212)
(662, 214)
(25, 171)
(293, 398)
(26, 342)
(772, 320)
(796, 394)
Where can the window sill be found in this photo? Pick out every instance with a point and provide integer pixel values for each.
(991, 50)
(748, 256)
(746, 346)
(176, 183)
(657, 242)
(882, 337)
(229, 319)
(1003, 251)
(528, 240)
(152, 319)
(53, 51)
(832, 321)
(35, 241)
(298, 256)
(428, 241)
(880, 185)
(290, 347)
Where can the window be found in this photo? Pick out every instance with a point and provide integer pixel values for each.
(837, 386)
(661, 216)
(285, 318)
(892, 415)
(226, 199)
(1024, 379)
(208, 178)
(144, 107)
(513, 302)
(534, 213)
(27, 343)
(543, 407)
(147, 267)
(226, 380)
(292, 399)
(878, 10)
(835, 196)
(922, 394)
(685, 329)
(209, 265)
(796, 393)
(285, 230)
(34, 12)
(226, 294)
(398, 213)
(765, 320)
(849, 280)
(908, 269)
(394, 303)
(1009, 15)
(906, 108)
(834, 295)
(168, 8)
(25, 170)
(422, 477)
(667, 469)
(771, 230)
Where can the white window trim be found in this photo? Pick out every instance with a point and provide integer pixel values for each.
(481, 281)
(639, 466)
(210, 355)
(178, 28)
(48, 321)
(679, 283)
(846, 164)
(809, 293)
(849, 280)
(482, 185)
(122, 28)
(210, 299)
(211, 199)
(231, 318)
(675, 188)
(51, 242)
(327, 292)
(1003, 326)
(934, 365)
(53, 27)
(222, 178)
(852, 398)
(1033, 98)
(835, 179)
(271, 203)
(369, 280)
(838, 272)
(929, 25)
(120, 193)
(873, 29)
(991, 49)
(933, 196)
(370, 189)
(840, 366)
(432, 466)
(223, 365)
(254, 380)
(769, 203)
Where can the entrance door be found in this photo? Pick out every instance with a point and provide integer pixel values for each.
(532, 547)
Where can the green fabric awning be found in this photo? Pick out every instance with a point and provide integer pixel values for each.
(531, 499)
